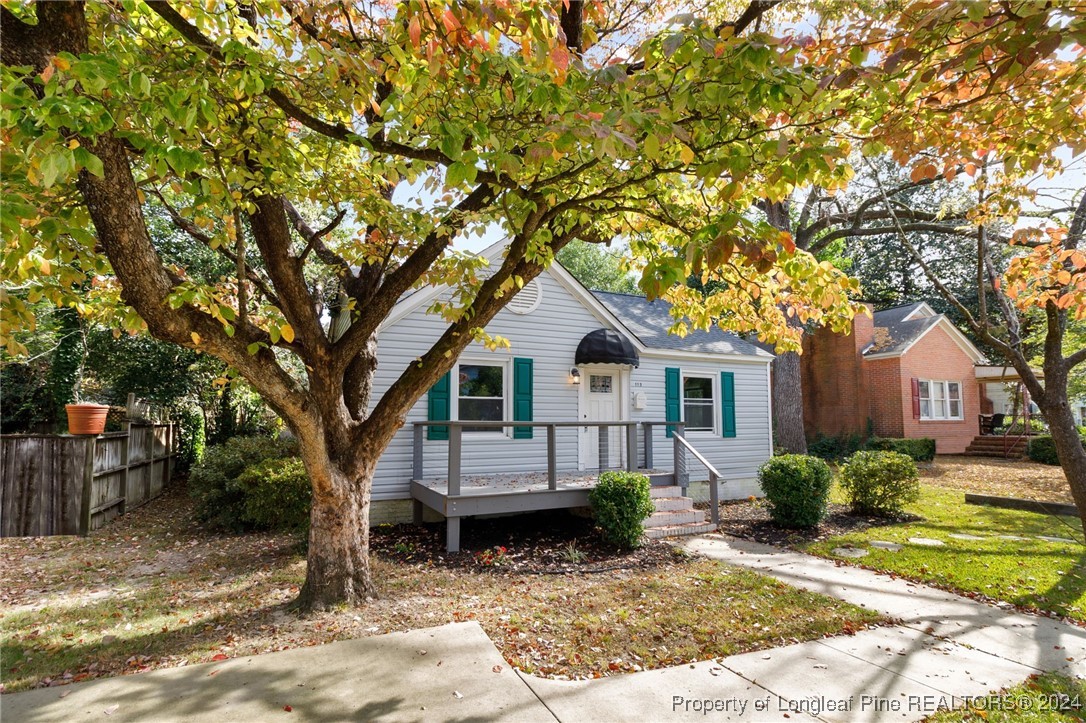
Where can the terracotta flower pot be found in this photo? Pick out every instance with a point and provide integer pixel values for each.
(86, 418)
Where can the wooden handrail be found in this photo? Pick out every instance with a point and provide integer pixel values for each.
(456, 438)
(501, 425)
(714, 476)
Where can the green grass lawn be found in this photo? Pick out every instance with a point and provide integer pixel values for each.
(1029, 572)
(1048, 697)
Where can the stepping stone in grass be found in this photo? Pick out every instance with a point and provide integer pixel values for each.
(1046, 538)
(926, 542)
(963, 536)
(888, 546)
(1013, 537)
(849, 552)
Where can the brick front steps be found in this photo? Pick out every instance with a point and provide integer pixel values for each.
(675, 515)
(991, 445)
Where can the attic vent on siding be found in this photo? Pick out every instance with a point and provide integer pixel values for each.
(527, 299)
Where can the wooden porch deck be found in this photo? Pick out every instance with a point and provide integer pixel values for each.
(456, 496)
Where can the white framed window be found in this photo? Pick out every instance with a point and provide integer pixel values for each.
(940, 399)
(600, 383)
(699, 403)
(482, 393)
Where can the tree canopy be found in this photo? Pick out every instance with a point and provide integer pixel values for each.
(357, 144)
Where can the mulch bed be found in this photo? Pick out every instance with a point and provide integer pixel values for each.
(537, 543)
(750, 520)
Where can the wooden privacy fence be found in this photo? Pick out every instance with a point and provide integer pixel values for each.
(64, 485)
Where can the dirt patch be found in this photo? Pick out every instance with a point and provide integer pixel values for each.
(539, 543)
(1001, 477)
(750, 520)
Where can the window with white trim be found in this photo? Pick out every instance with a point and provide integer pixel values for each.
(940, 399)
(699, 410)
(481, 394)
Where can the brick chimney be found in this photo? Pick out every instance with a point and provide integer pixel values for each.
(835, 394)
(863, 329)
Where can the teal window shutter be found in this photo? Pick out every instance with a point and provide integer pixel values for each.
(522, 397)
(727, 403)
(438, 406)
(673, 403)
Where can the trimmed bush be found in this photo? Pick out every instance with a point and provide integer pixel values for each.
(920, 450)
(1043, 449)
(220, 502)
(834, 448)
(880, 483)
(621, 502)
(797, 487)
(277, 495)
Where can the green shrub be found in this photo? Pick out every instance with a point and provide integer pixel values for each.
(192, 441)
(880, 483)
(920, 450)
(219, 502)
(621, 502)
(277, 494)
(797, 487)
(834, 448)
(1043, 449)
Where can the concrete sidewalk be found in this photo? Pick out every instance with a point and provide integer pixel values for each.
(461, 676)
(948, 647)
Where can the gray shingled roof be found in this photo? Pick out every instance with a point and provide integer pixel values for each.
(893, 333)
(650, 320)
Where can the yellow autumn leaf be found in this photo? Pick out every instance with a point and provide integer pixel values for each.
(287, 332)
(195, 338)
(686, 154)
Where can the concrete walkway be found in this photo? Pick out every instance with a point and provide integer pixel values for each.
(946, 648)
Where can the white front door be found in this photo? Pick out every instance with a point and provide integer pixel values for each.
(602, 399)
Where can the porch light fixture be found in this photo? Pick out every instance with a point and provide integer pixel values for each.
(575, 375)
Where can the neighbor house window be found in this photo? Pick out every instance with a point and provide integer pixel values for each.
(481, 395)
(940, 399)
(698, 407)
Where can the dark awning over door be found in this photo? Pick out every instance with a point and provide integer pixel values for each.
(604, 346)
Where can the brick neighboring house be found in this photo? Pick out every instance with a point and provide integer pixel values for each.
(908, 370)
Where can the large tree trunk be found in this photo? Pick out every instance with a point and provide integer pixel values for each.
(788, 433)
(1071, 454)
(1061, 425)
(337, 564)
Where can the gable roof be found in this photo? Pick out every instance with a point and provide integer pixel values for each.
(650, 320)
(897, 329)
(647, 328)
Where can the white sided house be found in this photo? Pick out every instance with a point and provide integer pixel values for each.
(587, 385)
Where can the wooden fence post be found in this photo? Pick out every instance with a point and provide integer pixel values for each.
(150, 476)
(126, 455)
(88, 487)
(170, 431)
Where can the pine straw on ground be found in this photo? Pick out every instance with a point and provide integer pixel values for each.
(153, 590)
(1002, 477)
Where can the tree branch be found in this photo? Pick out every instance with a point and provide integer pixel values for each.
(408, 273)
(185, 225)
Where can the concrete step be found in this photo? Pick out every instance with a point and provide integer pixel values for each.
(690, 528)
(669, 504)
(674, 517)
(666, 491)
